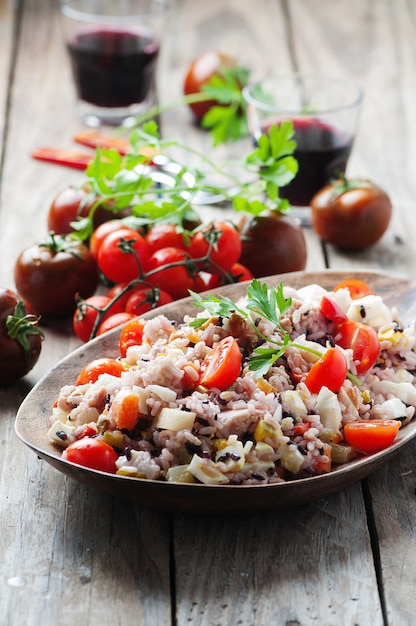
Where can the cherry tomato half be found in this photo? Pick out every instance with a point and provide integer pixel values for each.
(357, 288)
(329, 371)
(131, 335)
(351, 214)
(371, 435)
(93, 453)
(332, 311)
(94, 369)
(363, 340)
(222, 366)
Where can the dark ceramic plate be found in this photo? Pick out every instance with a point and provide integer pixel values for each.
(32, 422)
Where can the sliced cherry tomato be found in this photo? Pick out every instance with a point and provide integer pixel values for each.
(114, 321)
(222, 366)
(357, 288)
(329, 371)
(86, 314)
(170, 272)
(94, 369)
(93, 453)
(221, 242)
(122, 255)
(371, 435)
(363, 340)
(131, 335)
(332, 311)
(70, 158)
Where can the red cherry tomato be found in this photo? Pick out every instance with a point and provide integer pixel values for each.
(87, 312)
(101, 232)
(371, 435)
(142, 300)
(357, 288)
(363, 340)
(92, 453)
(94, 369)
(131, 335)
(332, 311)
(164, 236)
(329, 371)
(222, 366)
(170, 272)
(223, 244)
(351, 214)
(114, 321)
(122, 255)
(241, 273)
(200, 71)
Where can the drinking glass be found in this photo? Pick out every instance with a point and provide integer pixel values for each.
(113, 46)
(324, 111)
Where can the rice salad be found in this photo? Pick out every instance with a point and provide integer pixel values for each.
(263, 424)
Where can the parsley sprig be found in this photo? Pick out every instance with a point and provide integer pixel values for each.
(262, 301)
(117, 182)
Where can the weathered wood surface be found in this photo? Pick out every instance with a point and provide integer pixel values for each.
(72, 555)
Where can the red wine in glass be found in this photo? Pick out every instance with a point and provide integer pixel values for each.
(322, 153)
(113, 68)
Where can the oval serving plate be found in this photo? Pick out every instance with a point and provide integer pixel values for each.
(32, 421)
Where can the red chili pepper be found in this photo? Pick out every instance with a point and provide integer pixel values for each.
(70, 158)
(95, 139)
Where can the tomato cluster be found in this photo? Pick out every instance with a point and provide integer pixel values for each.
(151, 267)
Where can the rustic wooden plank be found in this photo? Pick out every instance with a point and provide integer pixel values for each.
(69, 555)
(7, 39)
(295, 567)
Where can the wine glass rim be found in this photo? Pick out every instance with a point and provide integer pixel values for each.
(159, 8)
(249, 93)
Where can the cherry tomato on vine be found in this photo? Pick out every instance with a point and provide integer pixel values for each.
(221, 241)
(222, 366)
(145, 299)
(131, 335)
(371, 435)
(329, 371)
(363, 340)
(92, 453)
(351, 214)
(101, 232)
(122, 255)
(164, 235)
(86, 314)
(200, 71)
(51, 274)
(20, 338)
(175, 280)
(94, 369)
(357, 288)
(114, 321)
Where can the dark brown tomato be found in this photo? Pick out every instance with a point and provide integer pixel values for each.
(72, 203)
(20, 338)
(50, 275)
(273, 244)
(200, 71)
(352, 215)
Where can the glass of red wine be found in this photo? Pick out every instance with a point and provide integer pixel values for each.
(324, 111)
(114, 47)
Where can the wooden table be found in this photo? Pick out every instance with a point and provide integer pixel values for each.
(72, 555)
